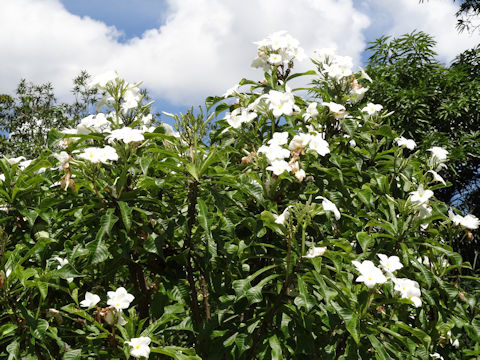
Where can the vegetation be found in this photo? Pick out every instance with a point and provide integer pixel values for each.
(434, 104)
(286, 229)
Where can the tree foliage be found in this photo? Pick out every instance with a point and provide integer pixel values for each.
(287, 228)
(434, 103)
(26, 117)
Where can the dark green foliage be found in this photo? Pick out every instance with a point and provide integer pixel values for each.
(435, 105)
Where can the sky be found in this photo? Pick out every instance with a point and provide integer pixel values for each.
(186, 50)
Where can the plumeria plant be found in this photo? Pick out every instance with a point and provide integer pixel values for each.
(272, 224)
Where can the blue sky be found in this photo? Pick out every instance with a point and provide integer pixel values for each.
(186, 50)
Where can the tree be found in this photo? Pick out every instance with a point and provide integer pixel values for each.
(467, 14)
(292, 229)
(26, 117)
(435, 105)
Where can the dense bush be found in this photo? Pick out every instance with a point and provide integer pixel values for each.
(286, 229)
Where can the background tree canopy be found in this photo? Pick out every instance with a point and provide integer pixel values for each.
(434, 104)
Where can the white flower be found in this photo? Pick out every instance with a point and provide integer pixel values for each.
(102, 80)
(436, 356)
(63, 157)
(370, 275)
(436, 177)
(2, 177)
(364, 75)
(299, 142)
(127, 135)
(274, 152)
(408, 143)
(438, 153)
(469, 221)
(283, 217)
(318, 144)
(311, 111)
(279, 138)
(16, 160)
(421, 196)
(8, 272)
(131, 98)
(455, 343)
(281, 103)
(357, 92)
(325, 53)
(372, 109)
(408, 289)
(139, 346)
(279, 167)
(389, 264)
(120, 298)
(60, 261)
(315, 252)
(147, 120)
(96, 155)
(275, 59)
(169, 130)
(424, 261)
(424, 212)
(239, 116)
(90, 300)
(96, 123)
(300, 175)
(334, 107)
(278, 48)
(24, 164)
(329, 206)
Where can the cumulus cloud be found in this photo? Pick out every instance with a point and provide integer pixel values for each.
(434, 17)
(204, 46)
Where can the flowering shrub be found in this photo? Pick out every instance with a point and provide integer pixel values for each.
(291, 227)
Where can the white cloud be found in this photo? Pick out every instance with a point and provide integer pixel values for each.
(204, 47)
(434, 17)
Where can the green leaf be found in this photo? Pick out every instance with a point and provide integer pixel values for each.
(145, 162)
(304, 299)
(7, 329)
(126, 213)
(418, 333)
(65, 272)
(209, 160)
(106, 224)
(204, 218)
(54, 137)
(380, 352)
(276, 347)
(352, 327)
(39, 328)
(365, 240)
(72, 355)
(192, 170)
(71, 309)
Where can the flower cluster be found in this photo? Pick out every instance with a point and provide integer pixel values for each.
(119, 299)
(99, 155)
(277, 49)
(334, 66)
(276, 153)
(371, 275)
(468, 221)
(408, 143)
